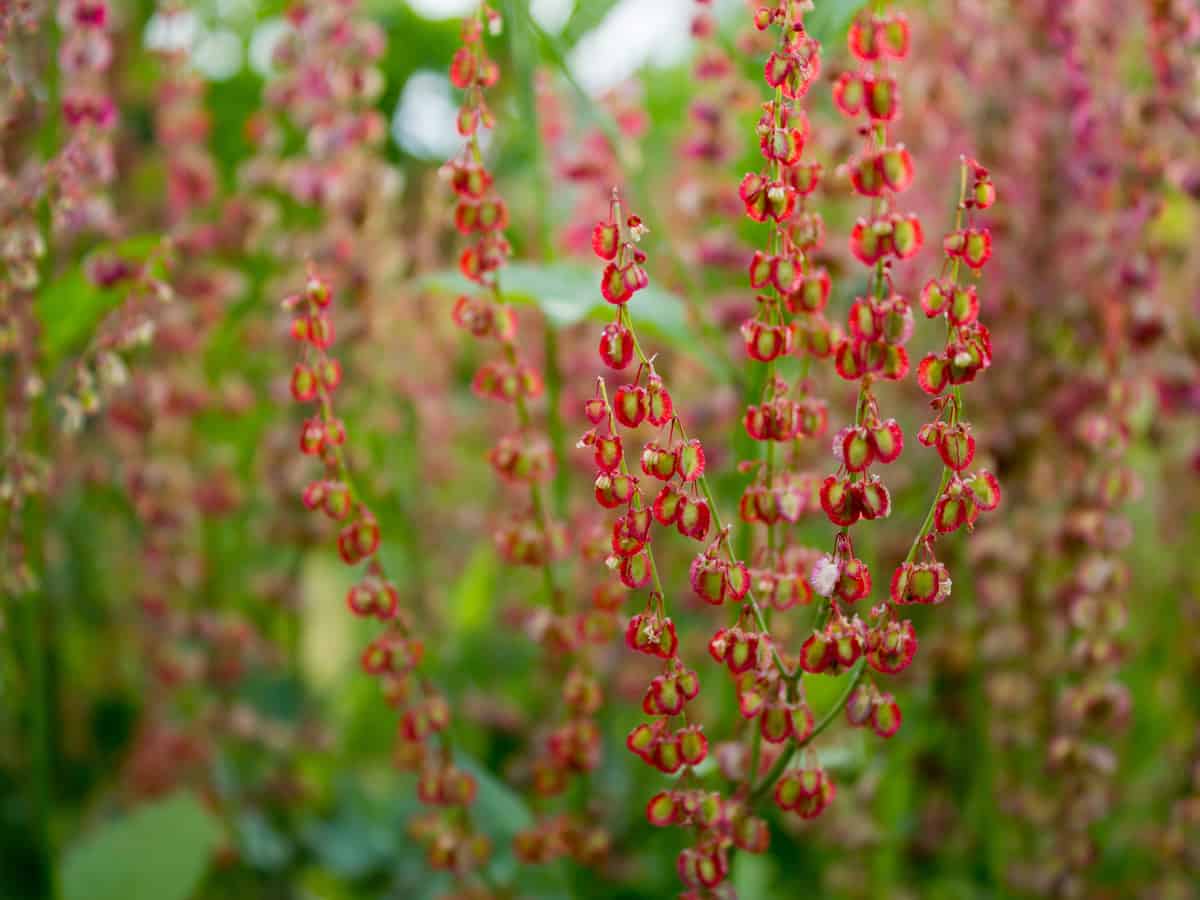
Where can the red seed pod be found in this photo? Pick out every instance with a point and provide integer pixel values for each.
(885, 716)
(596, 410)
(663, 809)
(658, 462)
(874, 500)
(606, 240)
(807, 231)
(891, 648)
(951, 510)
(635, 571)
(775, 723)
(314, 494)
(778, 68)
(963, 308)
(707, 577)
(669, 503)
(866, 175)
(463, 68)
(631, 532)
(663, 697)
(608, 452)
(736, 582)
(813, 417)
(470, 180)
(854, 583)
(659, 407)
(817, 653)
(976, 247)
(693, 745)
(790, 590)
(849, 93)
(857, 452)
(918, 583)
(984, 490)
(614, 489)
(616, 346)
(887, 441)
(933, 374)
(859, 706)
(862, 39)
(694, 519)
(629, 405)
(760, 269)
(304, 383)
(641, 740)
(956, 446)
(936, 296)
(880, 97)
(312, 437)
(804, 177)
(752, 834)
(891, 35)
(840, 501)
(785, 274)
(766, 342)
(812, 292)
(907, 236)
(650, 634)
(871, 240)
(337, 502)
(896, 167)
(667, 755)
(741, 654)
(690, 460)
(983, 194)
(782, 145)
(614, 286)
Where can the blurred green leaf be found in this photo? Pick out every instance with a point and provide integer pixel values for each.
(500, 813)
(472, 600)
(829, 19)
(160, 851)
(568, 294)
(70, 306)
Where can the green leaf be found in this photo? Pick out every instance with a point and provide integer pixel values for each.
(160, 851)
(568, 293)
(830, 19)
(473, 597)
(500, 813)
(70, 306)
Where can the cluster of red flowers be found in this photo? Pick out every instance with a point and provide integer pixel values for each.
(395, 653)
(85, 54)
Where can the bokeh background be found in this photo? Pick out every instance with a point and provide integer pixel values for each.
(180, 690)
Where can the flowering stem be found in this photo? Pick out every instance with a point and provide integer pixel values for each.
(781, 764)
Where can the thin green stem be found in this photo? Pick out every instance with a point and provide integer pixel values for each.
(785, 757)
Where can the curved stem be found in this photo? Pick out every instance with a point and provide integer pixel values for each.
(785, 757)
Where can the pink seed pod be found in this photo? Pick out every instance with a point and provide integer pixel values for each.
(616, 346)
(668, 505)
(663, 809)
(694, 519)
(606, 240)
(630, 405)
(956, 446)
(608, 452)
(849, 93)
(885, 716)
(659, 407)
(690, 460)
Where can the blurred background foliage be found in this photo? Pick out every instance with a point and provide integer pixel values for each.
(324, 816)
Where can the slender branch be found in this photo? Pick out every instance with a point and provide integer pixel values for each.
(785, 757)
